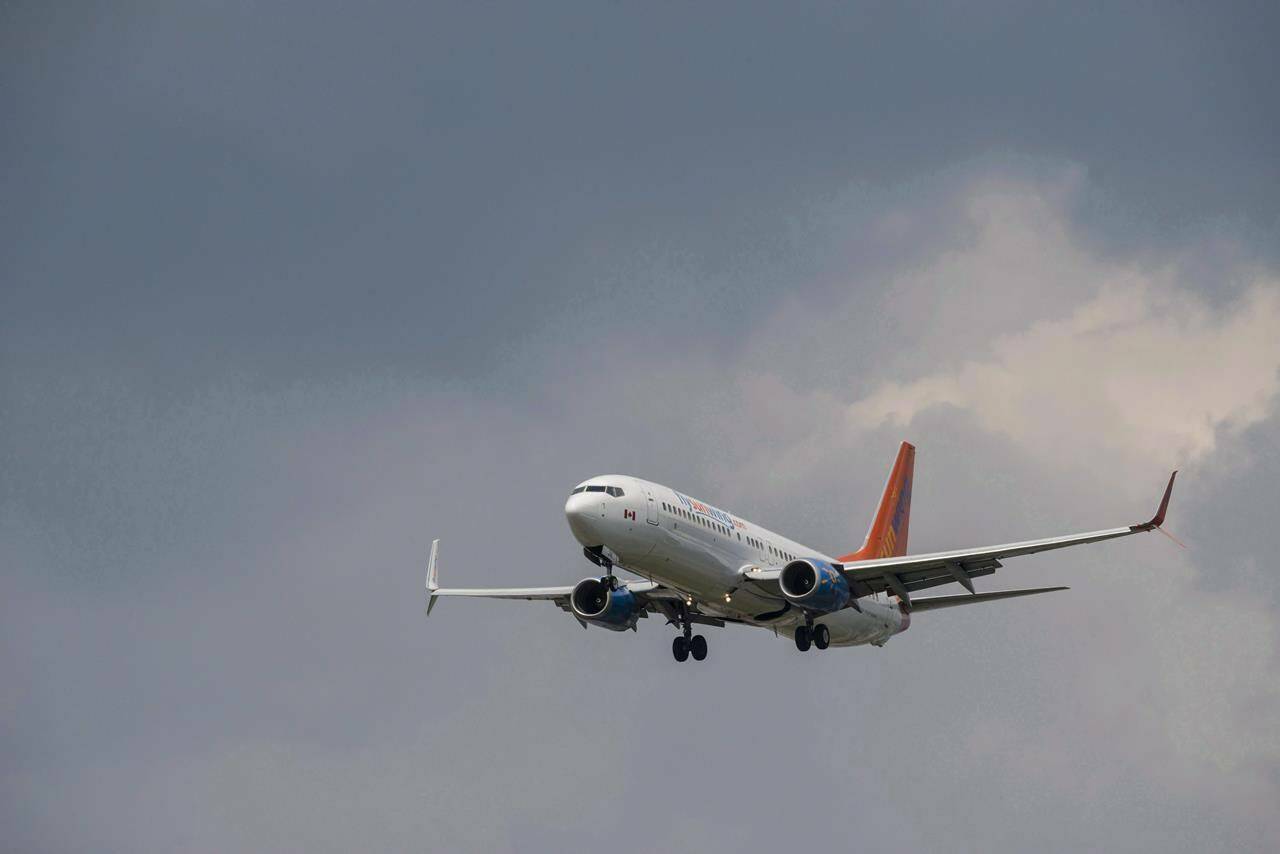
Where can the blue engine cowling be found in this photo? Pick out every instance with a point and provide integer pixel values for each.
(593, 601)
(814, 585)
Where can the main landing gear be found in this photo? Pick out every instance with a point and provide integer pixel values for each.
(682, 648)
(819, 636)
(688, 643)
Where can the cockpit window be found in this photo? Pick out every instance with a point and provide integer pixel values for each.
(615, 491)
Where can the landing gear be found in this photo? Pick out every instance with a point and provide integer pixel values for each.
(687, 643)
(596, 555)
(680, 648)
(812, 635)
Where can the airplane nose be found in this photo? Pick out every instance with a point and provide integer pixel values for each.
(583, 514)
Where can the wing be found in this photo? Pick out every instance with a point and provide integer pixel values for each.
(648, 592)
(906, 574)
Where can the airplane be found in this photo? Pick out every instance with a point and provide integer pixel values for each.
(699, 565)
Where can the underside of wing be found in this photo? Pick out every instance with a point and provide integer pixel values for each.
(904, 575)
(507, 592)
(646, 593)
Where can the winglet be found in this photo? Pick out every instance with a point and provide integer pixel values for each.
(1158, 519)
(433, 576)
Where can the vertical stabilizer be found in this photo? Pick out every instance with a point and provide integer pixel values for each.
(887, 536)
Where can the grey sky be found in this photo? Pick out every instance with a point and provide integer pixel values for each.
(287, 292)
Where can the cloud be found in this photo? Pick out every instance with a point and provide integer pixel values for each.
(1007, 316)
(1140, 371)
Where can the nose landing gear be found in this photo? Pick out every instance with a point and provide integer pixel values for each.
(596, 555)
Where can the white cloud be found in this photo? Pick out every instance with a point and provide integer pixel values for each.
(1130, 371)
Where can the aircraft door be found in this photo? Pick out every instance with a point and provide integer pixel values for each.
(651, 509)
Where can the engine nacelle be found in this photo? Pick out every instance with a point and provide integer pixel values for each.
(593, 601)
(814, 585)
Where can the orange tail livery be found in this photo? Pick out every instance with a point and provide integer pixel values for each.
(887, 536)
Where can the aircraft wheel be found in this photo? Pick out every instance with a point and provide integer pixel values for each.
(821, 636)
(680, 648)
(698, 647)
(802, 638)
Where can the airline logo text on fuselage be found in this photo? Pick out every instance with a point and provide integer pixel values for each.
(719, 515)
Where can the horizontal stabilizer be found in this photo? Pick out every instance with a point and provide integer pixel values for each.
(931, 602)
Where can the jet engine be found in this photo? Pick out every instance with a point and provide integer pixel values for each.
(593, 601)
(814, 585)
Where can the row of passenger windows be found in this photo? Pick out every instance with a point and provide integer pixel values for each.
(707, 523)
(701, 520)
(615, 491)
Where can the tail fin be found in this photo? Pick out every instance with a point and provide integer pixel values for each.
(887, 536)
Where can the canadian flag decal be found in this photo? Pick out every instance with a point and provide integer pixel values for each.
(628, 514)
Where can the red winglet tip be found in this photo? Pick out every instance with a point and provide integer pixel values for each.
(1158, 519)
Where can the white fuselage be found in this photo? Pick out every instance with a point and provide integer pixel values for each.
(702, 551)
